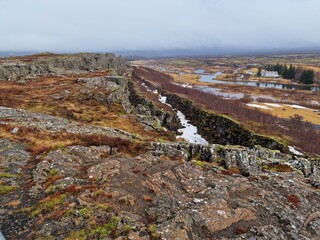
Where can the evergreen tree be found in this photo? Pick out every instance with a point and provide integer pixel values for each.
(307, 76)
(259, 73)
(285, 71)
(278, 68)
(291, 72)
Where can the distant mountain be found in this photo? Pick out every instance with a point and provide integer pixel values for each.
(212, 52)
(17, 53)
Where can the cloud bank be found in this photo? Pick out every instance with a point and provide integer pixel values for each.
(111, 25)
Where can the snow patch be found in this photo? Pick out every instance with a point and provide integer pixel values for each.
(190, 132)
(221, 213)
(163, 99)
(297, 106)
(258, 106)
(294, 151)
(197, 200)
(273, 104)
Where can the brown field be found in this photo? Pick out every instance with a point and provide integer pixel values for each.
(309, 115)
(36, 96)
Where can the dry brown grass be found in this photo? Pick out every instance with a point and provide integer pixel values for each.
(284, 111)
(35, 96)
(41, 141)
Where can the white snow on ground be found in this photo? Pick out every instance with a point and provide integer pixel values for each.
(163, 100)
(297, 106)
(315, 102)
(189, 132)
(185, 85)
(294, 151)
(258, 106)
(273, 104)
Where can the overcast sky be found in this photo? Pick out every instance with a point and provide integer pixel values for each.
(109, 25)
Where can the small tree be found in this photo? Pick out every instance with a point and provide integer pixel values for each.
(307, 76)
(291, 72)
(259, 72)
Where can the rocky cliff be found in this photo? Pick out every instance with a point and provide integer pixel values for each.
(220, 129)
(16, 68)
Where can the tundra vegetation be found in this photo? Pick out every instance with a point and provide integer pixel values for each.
(90, 149)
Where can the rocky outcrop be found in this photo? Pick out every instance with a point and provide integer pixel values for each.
(146, 109)
(93, 193)
(91, 182)
(249, 161)
(220, 129)
(107, 90)
(77, 62)
(24, 118)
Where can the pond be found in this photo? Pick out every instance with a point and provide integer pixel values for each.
(209, 77)
(218, 92)
(212, 79)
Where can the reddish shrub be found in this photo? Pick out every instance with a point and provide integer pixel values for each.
(294, 199)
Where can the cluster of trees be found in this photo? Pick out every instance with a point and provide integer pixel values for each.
(283, 70)
(291, 72)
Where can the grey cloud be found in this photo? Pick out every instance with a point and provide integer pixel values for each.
(108, 25)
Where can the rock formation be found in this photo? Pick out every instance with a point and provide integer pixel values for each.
(85, 154)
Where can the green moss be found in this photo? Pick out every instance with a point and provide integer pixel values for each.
(51, 189)
(161, 139)
(43, 236)
(77, 235)
(104, 230)
(126, 229)
(278, 168)
(199, 163)
(87, 212)
(49, 205)
(219, 149)
(98, 192)
(7, 175)
(69, 212)
(152, 229)
(103, 206)
(4, 189)
(53, 172)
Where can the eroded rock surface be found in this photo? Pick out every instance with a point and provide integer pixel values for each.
(57, 64)
(20, 117)
(97, 193)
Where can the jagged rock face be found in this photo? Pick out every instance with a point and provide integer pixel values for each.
(150, 114)
(111, 90)
(158, 195)
(219, 129)
(84, 62)
(249, 161)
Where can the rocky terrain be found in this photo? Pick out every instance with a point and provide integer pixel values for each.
(88, 154)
